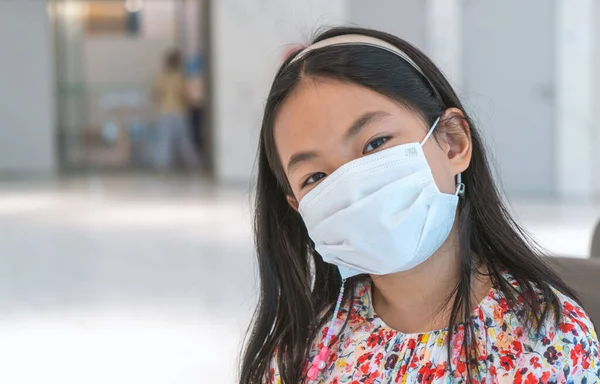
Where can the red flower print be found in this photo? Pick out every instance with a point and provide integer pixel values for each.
(426, 373)
(480, 314)
(332, 358)
(373, 340)
(569, 307)
(517, 348)
(354, 318)
(507, 362)
(365, 368)
(401, 372)
(535, 362)
(371, 378)
(579, 354)
(412, 344)
(440, 370)
(519, 375)
(581, 325)
(519, 332)
(378, 358)
(384, 335)
(531, 379)
(566, 327)
(461, 367)
(414, 361)
(458, 340)
(365, 357)
(585, 363)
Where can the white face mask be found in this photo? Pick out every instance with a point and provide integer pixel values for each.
(380, 214)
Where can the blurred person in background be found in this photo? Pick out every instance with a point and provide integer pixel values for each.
(386, 254)
(195, 84)
(172, 101)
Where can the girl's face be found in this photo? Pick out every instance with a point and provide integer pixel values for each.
(326, 123)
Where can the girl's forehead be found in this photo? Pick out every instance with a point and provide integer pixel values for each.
(322, 105)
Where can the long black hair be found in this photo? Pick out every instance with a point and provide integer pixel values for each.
(297, 285)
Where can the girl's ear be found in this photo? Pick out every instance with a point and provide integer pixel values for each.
(457, 134)
(293, 202)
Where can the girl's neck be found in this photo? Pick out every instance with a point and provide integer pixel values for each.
(419, 300)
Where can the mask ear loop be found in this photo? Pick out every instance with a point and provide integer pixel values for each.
(460, 187)
(430, 131)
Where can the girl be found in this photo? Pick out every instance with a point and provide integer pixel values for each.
(386, 254)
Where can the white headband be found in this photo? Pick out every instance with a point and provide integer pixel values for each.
(354, 39)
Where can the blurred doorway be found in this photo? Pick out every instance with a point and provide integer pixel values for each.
(108, 56)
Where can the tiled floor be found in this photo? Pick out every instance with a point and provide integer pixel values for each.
(141, 280)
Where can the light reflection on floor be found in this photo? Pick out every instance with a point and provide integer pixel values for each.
(141, 280)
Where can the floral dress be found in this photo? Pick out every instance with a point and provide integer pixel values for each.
(369, 352)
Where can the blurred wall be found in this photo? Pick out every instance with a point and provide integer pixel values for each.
(248, 41)
(26, 89)
(403, 18)
(576, 117)
(509, 87)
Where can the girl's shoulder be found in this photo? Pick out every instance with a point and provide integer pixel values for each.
(574, 331)
(573, 316)
(565, 350)
(572, 325)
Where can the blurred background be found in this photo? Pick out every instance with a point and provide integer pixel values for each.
(125, 216)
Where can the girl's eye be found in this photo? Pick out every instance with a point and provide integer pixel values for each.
(373, 145)
(313, 179)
